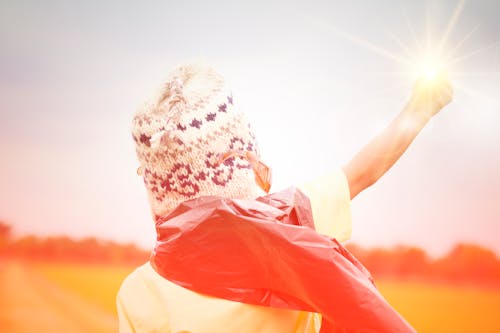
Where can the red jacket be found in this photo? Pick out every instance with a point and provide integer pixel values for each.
(266, 252)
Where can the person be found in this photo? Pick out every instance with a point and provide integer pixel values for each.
(193, 143)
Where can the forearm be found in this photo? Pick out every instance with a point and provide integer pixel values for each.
(380, 154)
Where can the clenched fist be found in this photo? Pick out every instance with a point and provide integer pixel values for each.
(431, 94)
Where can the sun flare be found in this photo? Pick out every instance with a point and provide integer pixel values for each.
(430, 68)
(431, 57)
(430, 71)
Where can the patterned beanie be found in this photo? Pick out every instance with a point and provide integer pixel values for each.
(181, 134)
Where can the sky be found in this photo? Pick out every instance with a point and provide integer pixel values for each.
(317, 79)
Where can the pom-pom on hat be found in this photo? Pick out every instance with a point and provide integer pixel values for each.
(181, 134)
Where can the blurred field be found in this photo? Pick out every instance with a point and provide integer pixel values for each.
(434, 308)
(81, 298)
(33, 302)
(96, 283)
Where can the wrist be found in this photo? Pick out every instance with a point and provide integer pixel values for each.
(412, 118)
(429, 100)
(419, 111)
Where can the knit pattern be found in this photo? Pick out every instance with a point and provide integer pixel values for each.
(180, 135)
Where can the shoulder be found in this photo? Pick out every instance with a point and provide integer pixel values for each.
(136, 279)
(330, 203)
(138, 301)
(333, 182)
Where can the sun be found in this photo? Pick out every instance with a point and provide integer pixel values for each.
(430, 68)
(429, 58)
(430, 71)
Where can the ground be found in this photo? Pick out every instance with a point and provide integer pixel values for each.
(80, 298)
(30, 302)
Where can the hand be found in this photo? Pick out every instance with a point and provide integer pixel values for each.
(431, 94)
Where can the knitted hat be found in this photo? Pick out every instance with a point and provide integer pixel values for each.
(181, 134)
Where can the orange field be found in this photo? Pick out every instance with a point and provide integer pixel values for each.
(80, 298)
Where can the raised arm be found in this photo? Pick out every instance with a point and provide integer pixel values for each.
(380, 154)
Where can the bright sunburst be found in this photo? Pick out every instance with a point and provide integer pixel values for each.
(430, 68)
(428, 57)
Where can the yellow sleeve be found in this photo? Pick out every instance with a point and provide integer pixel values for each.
(124, 323)
(331, 204)
(139, 307)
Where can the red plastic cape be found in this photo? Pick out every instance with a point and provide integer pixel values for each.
(266, 252)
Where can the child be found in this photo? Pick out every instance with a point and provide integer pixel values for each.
(201, 167)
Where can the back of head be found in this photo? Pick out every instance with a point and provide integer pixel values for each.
(181, 134)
